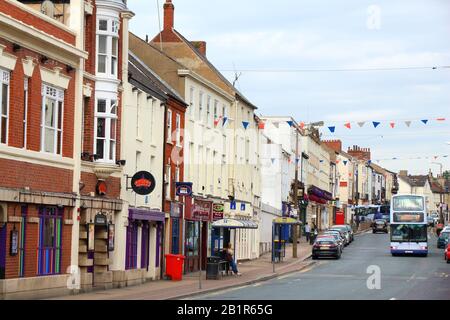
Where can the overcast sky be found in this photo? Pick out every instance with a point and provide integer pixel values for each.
(277, 35)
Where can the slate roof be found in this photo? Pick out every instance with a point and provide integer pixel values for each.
(416, 181)
(145, 79)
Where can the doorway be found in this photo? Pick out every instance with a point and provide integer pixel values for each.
(195, 245)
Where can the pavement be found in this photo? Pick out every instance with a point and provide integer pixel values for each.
(253, 272)
(353, 276)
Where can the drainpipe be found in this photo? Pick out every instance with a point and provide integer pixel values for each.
(163, 234)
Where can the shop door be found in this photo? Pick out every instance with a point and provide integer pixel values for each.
(192, 245)
(204, 243)
(100, 254)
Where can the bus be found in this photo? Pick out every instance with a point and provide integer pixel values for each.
(409, 225)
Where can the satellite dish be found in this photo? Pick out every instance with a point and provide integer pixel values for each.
(48, 8)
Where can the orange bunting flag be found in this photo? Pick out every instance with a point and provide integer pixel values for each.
(348, 125)
(302, 125)
(261, 125)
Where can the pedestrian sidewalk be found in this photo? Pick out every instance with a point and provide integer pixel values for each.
(252, 272)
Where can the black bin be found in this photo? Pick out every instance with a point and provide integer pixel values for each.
(212, 268)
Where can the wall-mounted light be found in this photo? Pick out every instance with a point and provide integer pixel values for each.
(121, 162)
(69, 69)
(16, 47)
(43, 59)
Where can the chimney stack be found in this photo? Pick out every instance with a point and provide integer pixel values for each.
(169, 11)
(200, 46)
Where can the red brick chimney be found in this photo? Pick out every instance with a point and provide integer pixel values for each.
(336, 145)
(359, 153)
(169, 11)
(200, 46)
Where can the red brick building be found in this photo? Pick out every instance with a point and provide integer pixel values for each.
(39, 63)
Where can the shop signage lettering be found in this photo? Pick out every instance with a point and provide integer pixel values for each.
(101, 219)
(218, 209)
(143, 183)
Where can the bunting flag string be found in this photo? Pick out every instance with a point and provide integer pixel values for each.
(332, 129)
(290, 123)
(348, 125)
(376, 123)
(361, 124)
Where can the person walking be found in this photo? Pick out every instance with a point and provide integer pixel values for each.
(307, 231)
(230, 258)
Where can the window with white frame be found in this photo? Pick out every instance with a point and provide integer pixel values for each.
(178, 129)
(191, 102)
(169, 126)
(106, 129)
(168, 181)
(200, 106)
(107, 46)
(208, 111)
(52, 119)
(224, 111)
(216, 110)
(4, 105)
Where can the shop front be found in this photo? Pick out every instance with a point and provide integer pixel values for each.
(318, 200)
(198, 216)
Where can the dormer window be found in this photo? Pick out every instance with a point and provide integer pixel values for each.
(107, 46)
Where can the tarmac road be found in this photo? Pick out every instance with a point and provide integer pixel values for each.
(401, 278)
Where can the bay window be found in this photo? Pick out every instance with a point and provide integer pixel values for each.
(107, 46)
(4, 105)
(52, 119)
(105, 130)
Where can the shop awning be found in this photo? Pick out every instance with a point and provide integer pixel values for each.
(235, 224)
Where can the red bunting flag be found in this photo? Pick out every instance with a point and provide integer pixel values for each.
(302, 125)
(392, 125)
(348, 125)
(440, 119)
(261, 125)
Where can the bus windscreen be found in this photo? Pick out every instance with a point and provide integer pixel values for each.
(409, 233)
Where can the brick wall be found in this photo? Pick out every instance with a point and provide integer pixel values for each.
(90, 182)
(359, 153)
(16, 107)
(90, 41)
(40, 24)
(18, 174)
(336, 145)
(32, 243)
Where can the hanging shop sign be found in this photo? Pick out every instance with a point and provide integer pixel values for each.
(218, 209)
(14, 244)
(202, 210)
(111, 235)
(101, 188)
(143, 183)
(183, 189)
(91, 237)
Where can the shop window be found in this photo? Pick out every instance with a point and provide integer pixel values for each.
(107, 46)
(106, 130)
(52, 119)
(145, 246)
(4, 106)
(192, 238)
(49, 250)
(131, 247)
(175, 236)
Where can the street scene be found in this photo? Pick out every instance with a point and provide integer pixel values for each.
(191, 150)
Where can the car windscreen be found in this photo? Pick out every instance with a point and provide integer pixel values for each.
(325, 241)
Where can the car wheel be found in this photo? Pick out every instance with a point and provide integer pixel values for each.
(448, 260)
(338, 257)
(314, 257)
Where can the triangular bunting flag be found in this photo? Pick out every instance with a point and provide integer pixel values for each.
(361, 124)
(245, 124)
(290, 123)
(440, 119)
(297, 160)
(224, 121)
(348, 125)
(332, 129)
(302, 125)
(392, 124)
(436, 157)
(408, 123)
(375, 124)
(345, 162)
(321, 161)
(273, 160)
(216, 121)
(425, 121)
(261, 125)
(276, 124)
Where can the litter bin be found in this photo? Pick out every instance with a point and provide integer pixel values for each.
(174, 266)
(212, 268)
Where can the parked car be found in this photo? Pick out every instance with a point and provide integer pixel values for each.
(443, 239)
(447, 252)
(380, 225)
(387, 217)
(326, 247)
(446, 229)
(344, 231)
(430, 221)
(349, 229)
(337, 236)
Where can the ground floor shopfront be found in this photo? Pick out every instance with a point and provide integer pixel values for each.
(35, 243)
